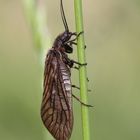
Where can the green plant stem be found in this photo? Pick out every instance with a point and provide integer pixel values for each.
(82, 71)
(36, 16)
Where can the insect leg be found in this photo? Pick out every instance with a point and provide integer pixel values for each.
(76, 67)
(73, 43)
(84, 64)
(71, 62)
(74, 86)
(77, 35)
(81, 101)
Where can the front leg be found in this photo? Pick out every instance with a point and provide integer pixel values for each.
(74, 43)
(77, 35)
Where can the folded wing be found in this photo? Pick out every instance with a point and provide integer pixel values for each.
(56, 108)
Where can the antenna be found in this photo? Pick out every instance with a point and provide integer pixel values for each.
(63, 16)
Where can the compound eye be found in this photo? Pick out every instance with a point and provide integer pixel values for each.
(68, 49)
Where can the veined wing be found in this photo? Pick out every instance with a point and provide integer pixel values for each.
(56, 109)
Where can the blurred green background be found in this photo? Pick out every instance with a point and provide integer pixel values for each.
(112, 35)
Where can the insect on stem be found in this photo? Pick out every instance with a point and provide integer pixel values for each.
(56, 107)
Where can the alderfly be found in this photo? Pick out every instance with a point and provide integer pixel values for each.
(56, 107)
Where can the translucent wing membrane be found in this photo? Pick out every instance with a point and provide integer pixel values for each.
(56, 109)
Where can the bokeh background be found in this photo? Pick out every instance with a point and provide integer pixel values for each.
(112, 35)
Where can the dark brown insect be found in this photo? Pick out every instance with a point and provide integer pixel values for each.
(56, 108)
